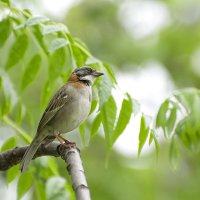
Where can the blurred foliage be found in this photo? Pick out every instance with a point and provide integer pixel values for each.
(144, 178)
(36, 57)
(99, 24)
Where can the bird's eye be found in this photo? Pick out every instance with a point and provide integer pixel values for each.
(90, 70)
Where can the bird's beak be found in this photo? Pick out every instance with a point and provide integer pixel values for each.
(96, 74)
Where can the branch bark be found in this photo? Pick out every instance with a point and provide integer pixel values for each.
(75, 168)
(69, 153)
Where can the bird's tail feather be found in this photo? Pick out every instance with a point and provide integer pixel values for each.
(30, 152)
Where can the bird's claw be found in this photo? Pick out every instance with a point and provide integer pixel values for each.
(69, 144)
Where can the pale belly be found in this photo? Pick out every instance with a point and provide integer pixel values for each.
(71, 115)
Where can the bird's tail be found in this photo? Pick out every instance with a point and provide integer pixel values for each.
(30, 152)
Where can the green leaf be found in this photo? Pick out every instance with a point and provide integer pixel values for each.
(110, 73)
(39, 37)
(9, 144)
(40, 189)
(186, 97)
(24, 183)
(124, 117)
(15, 11)
(108, 113)
(31, 70)
(187, 102)
(82, 133)
(82, 45)
(190, 99)
(57, 63)
(6, 105)
(143, 134)
(66, 74)
(47, 93)
(93, 106)
(93, 62)
(154, 138)
(171, 121)
(188, 132)
(151, 137)
(6, 1)
(79, 44)
(173, 153)
(5, 29)
(166, 117)
(161, 119)
(70, 38)
(79, 55)
(36, 20)
(48, 29)
(9, 94)
(95, 125)
(57, 44)
(104, 89)
(53, 166)
(21, 111)
(55, 188)
(12, 173)
(17, 51)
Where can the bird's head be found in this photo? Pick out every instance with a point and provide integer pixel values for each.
(86, 74)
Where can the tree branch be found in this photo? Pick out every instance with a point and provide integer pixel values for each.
(75, 169)
(69, 153)
(13, 157)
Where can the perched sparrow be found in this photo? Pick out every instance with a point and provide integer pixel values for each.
(68, 108)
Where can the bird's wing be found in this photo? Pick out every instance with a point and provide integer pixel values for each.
(56, 103)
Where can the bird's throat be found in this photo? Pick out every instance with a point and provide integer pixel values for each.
(86, 82)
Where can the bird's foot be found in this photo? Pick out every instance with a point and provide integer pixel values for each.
(70, 144)
(59, 137)
(65, 142)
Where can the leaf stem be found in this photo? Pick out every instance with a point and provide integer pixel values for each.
(22, 133)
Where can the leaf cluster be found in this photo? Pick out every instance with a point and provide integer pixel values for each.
(36, 55)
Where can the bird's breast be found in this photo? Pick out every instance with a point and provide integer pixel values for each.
(74, 112)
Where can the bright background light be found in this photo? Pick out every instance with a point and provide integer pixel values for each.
(144, 18)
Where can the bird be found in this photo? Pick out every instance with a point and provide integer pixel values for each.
(67, 109)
